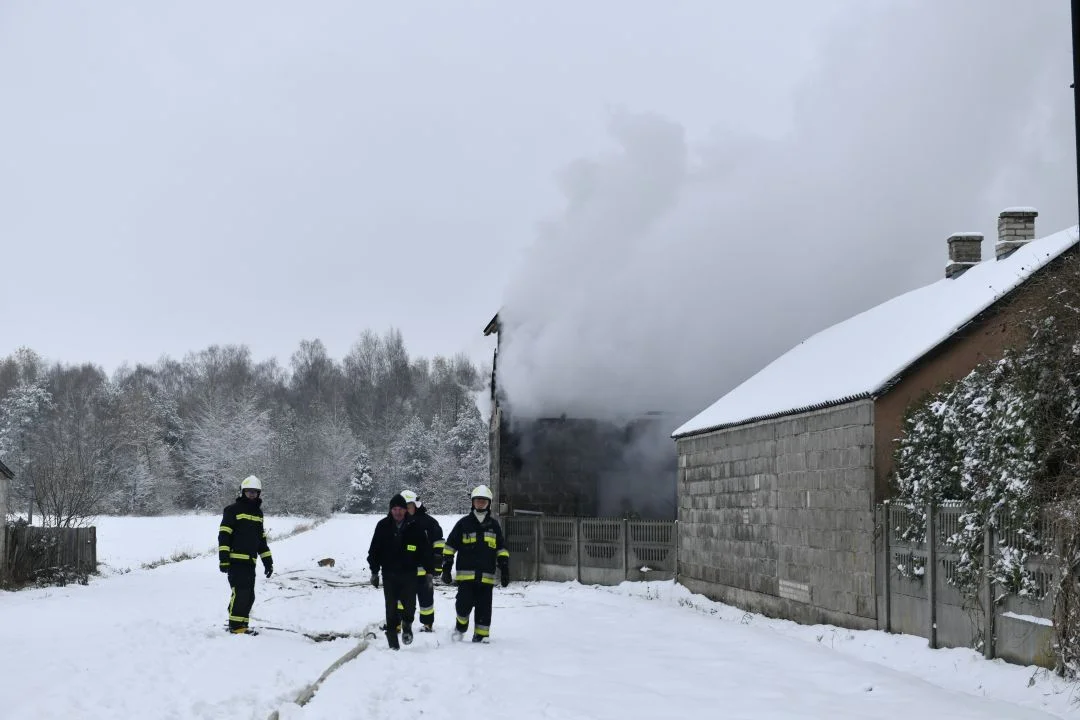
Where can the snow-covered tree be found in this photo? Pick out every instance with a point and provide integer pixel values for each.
(312, 464)
(467, 442)
(75, 460)
(228, 442)
(974, 442)
(361, 495)
(439, 491)
(338, 453)
(412, 458)
(23, 412)
(182, 433)
(147, 425)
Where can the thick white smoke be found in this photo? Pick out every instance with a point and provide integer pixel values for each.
(677, 269)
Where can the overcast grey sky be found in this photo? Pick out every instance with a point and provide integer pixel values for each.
(180, 174)
(696, 261)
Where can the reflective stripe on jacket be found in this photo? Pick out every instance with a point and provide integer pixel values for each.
(241, 536)
(480, 548)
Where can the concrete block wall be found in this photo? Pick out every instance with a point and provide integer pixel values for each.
(777, 516)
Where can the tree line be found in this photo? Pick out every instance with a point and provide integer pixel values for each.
(323, 435)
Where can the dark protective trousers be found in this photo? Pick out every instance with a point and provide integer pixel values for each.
(474, 594)
(425, 596)
(242, 597)
(400, 589)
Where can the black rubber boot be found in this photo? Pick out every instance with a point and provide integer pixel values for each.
(391, 639)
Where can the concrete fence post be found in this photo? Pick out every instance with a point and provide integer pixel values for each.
(577, 543)
(626, 548)
(886, 532)
(677, 542)
(989, 538)
(930, 573)
(542, 539)
(536, 548)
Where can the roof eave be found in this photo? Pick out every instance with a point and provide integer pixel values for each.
(774, 416)
(898, 376)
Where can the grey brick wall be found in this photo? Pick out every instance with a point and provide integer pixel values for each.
(777, 516)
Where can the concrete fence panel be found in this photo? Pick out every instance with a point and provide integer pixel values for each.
(594, 551)
(917, 595)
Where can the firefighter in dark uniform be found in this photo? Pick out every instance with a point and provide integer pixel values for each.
(241, 541)
(425, 581)
(478, 541)
(398, 547)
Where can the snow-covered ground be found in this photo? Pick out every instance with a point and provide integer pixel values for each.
(150, 643)
(126, 543)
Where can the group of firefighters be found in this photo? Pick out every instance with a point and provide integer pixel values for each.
(407, 549)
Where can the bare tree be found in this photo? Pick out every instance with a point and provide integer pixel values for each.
(73, 455)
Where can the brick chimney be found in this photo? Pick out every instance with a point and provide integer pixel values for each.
(965, 251)
(1016, 228)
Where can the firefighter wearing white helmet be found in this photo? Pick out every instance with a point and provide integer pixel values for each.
(241, 542)
(425, 586)
(477, 540)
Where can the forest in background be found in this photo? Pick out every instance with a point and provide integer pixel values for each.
(179, 435)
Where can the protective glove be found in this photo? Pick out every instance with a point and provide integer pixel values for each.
(430, 582)
(268, 568)
(375, 578)
(504, 574)
(447, 576)
(224, 568)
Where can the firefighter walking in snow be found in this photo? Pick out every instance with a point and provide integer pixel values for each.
(478, 541)
(425, 581)
(398, 548)
(241, 540)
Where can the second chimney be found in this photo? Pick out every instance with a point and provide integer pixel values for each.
(965, 251)
(1016, 228)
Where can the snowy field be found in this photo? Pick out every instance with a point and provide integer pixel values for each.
(150, 643)
(126, 543)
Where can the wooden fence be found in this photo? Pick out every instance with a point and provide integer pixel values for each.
(50, 555)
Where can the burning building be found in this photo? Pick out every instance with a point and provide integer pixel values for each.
(579, 466)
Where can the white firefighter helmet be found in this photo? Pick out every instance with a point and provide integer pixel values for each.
(481, 491)
(410, 497)
(251, 483)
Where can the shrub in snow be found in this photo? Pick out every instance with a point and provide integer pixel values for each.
(1004, 441)
(973, 442)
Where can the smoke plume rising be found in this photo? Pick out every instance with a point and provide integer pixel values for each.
(679, 267)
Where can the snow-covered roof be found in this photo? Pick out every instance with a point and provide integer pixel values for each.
(860, 356)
